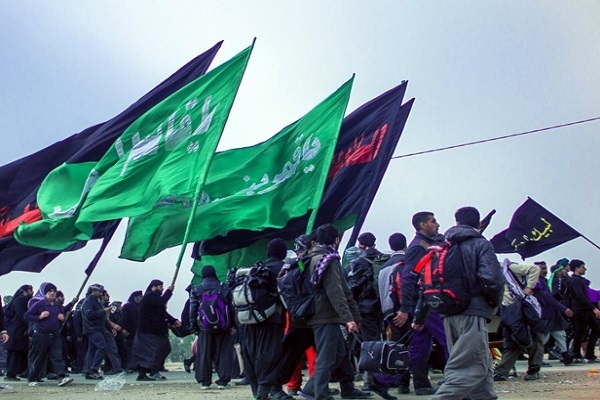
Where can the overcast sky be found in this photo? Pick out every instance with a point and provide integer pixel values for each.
(478, 69)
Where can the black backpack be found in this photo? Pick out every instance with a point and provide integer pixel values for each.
(296, 291)
(445, 280)
(254, 294)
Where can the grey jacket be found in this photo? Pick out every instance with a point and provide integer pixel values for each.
(478, 254)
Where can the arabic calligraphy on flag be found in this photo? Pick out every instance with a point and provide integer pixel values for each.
(533, 230)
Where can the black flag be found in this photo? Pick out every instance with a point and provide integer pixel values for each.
(533, 230)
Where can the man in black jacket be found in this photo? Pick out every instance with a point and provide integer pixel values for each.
(94, 327)
(361, 277)
(151, 343)
(427, 234)
(468, 372)
(585, 313)
(212, 346)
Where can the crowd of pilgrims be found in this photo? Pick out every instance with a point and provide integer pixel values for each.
(46, 338)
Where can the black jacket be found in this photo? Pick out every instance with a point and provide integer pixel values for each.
(360, 276)
(154, 318)
(578, 298)
(94, 316)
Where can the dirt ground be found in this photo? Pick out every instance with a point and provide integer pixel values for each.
(581, 382)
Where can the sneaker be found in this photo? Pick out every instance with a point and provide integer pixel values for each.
(280, 395)
(357, 394)
(594, 361)
(534, 376)
(144, 378)
(425, 391)
(158, 377)
(65, 381)
(223, 386)
(94, 375)
(403, 389)
(382, 392)
(500, 378)
(334, 391)
(204, 387)
(34, 383)
(243, 382)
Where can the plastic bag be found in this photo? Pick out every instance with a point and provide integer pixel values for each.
(111, 382)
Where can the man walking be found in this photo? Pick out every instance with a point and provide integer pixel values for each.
(46, 341)
(469, 373)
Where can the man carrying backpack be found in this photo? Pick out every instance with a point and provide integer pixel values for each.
(468, 372)
(390, 293)
(211, 315)
(427, 234)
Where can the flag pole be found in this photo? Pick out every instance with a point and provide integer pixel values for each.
(199, 187)
(592, 243)
(313, 214)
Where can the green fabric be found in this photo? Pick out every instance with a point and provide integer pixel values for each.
(258, 187)
(161, 158)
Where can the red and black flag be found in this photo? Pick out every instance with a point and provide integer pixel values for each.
(533, 230)
(21, 179)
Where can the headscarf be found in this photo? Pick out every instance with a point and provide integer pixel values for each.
(323, 263)
(39, 295)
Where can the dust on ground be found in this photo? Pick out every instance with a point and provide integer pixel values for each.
(580, 381)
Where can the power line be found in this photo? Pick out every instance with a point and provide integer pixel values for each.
(496, 138)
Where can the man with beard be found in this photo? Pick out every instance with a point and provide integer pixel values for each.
(16, 327)
(151, 344)
(130, 317)
(427, 233)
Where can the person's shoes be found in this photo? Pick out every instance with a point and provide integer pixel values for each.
(293, 392)
(534, 376)
(356, 394)
(566, 358)
(594, 361)
(305, 395)
(204, 387)
(382, 392)
(158, 377)
(34, 383)
(366, 387)
(500, 378)
(553, 355)
(65, 381)
(223, 386)
(144, 378)
(11, 378)
(577, 360)
(113, 371)
(243, 382)
(403, 389)
(424, 391)
(545, 364)
(280, 395)
(94, 375)
(187, 365)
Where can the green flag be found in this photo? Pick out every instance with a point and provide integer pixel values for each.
(161, 158)
(254, 188)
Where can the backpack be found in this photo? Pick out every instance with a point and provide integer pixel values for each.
(445, 281)
(296, 291)
(395, 284)
(254, 295)
(213, 311)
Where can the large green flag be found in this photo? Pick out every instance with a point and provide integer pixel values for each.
(162, 158)
(253, 188)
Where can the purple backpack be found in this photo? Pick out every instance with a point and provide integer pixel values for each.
(213, 312)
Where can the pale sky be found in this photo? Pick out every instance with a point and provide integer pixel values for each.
(478, 69)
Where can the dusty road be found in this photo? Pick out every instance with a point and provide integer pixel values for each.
(578, 382)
